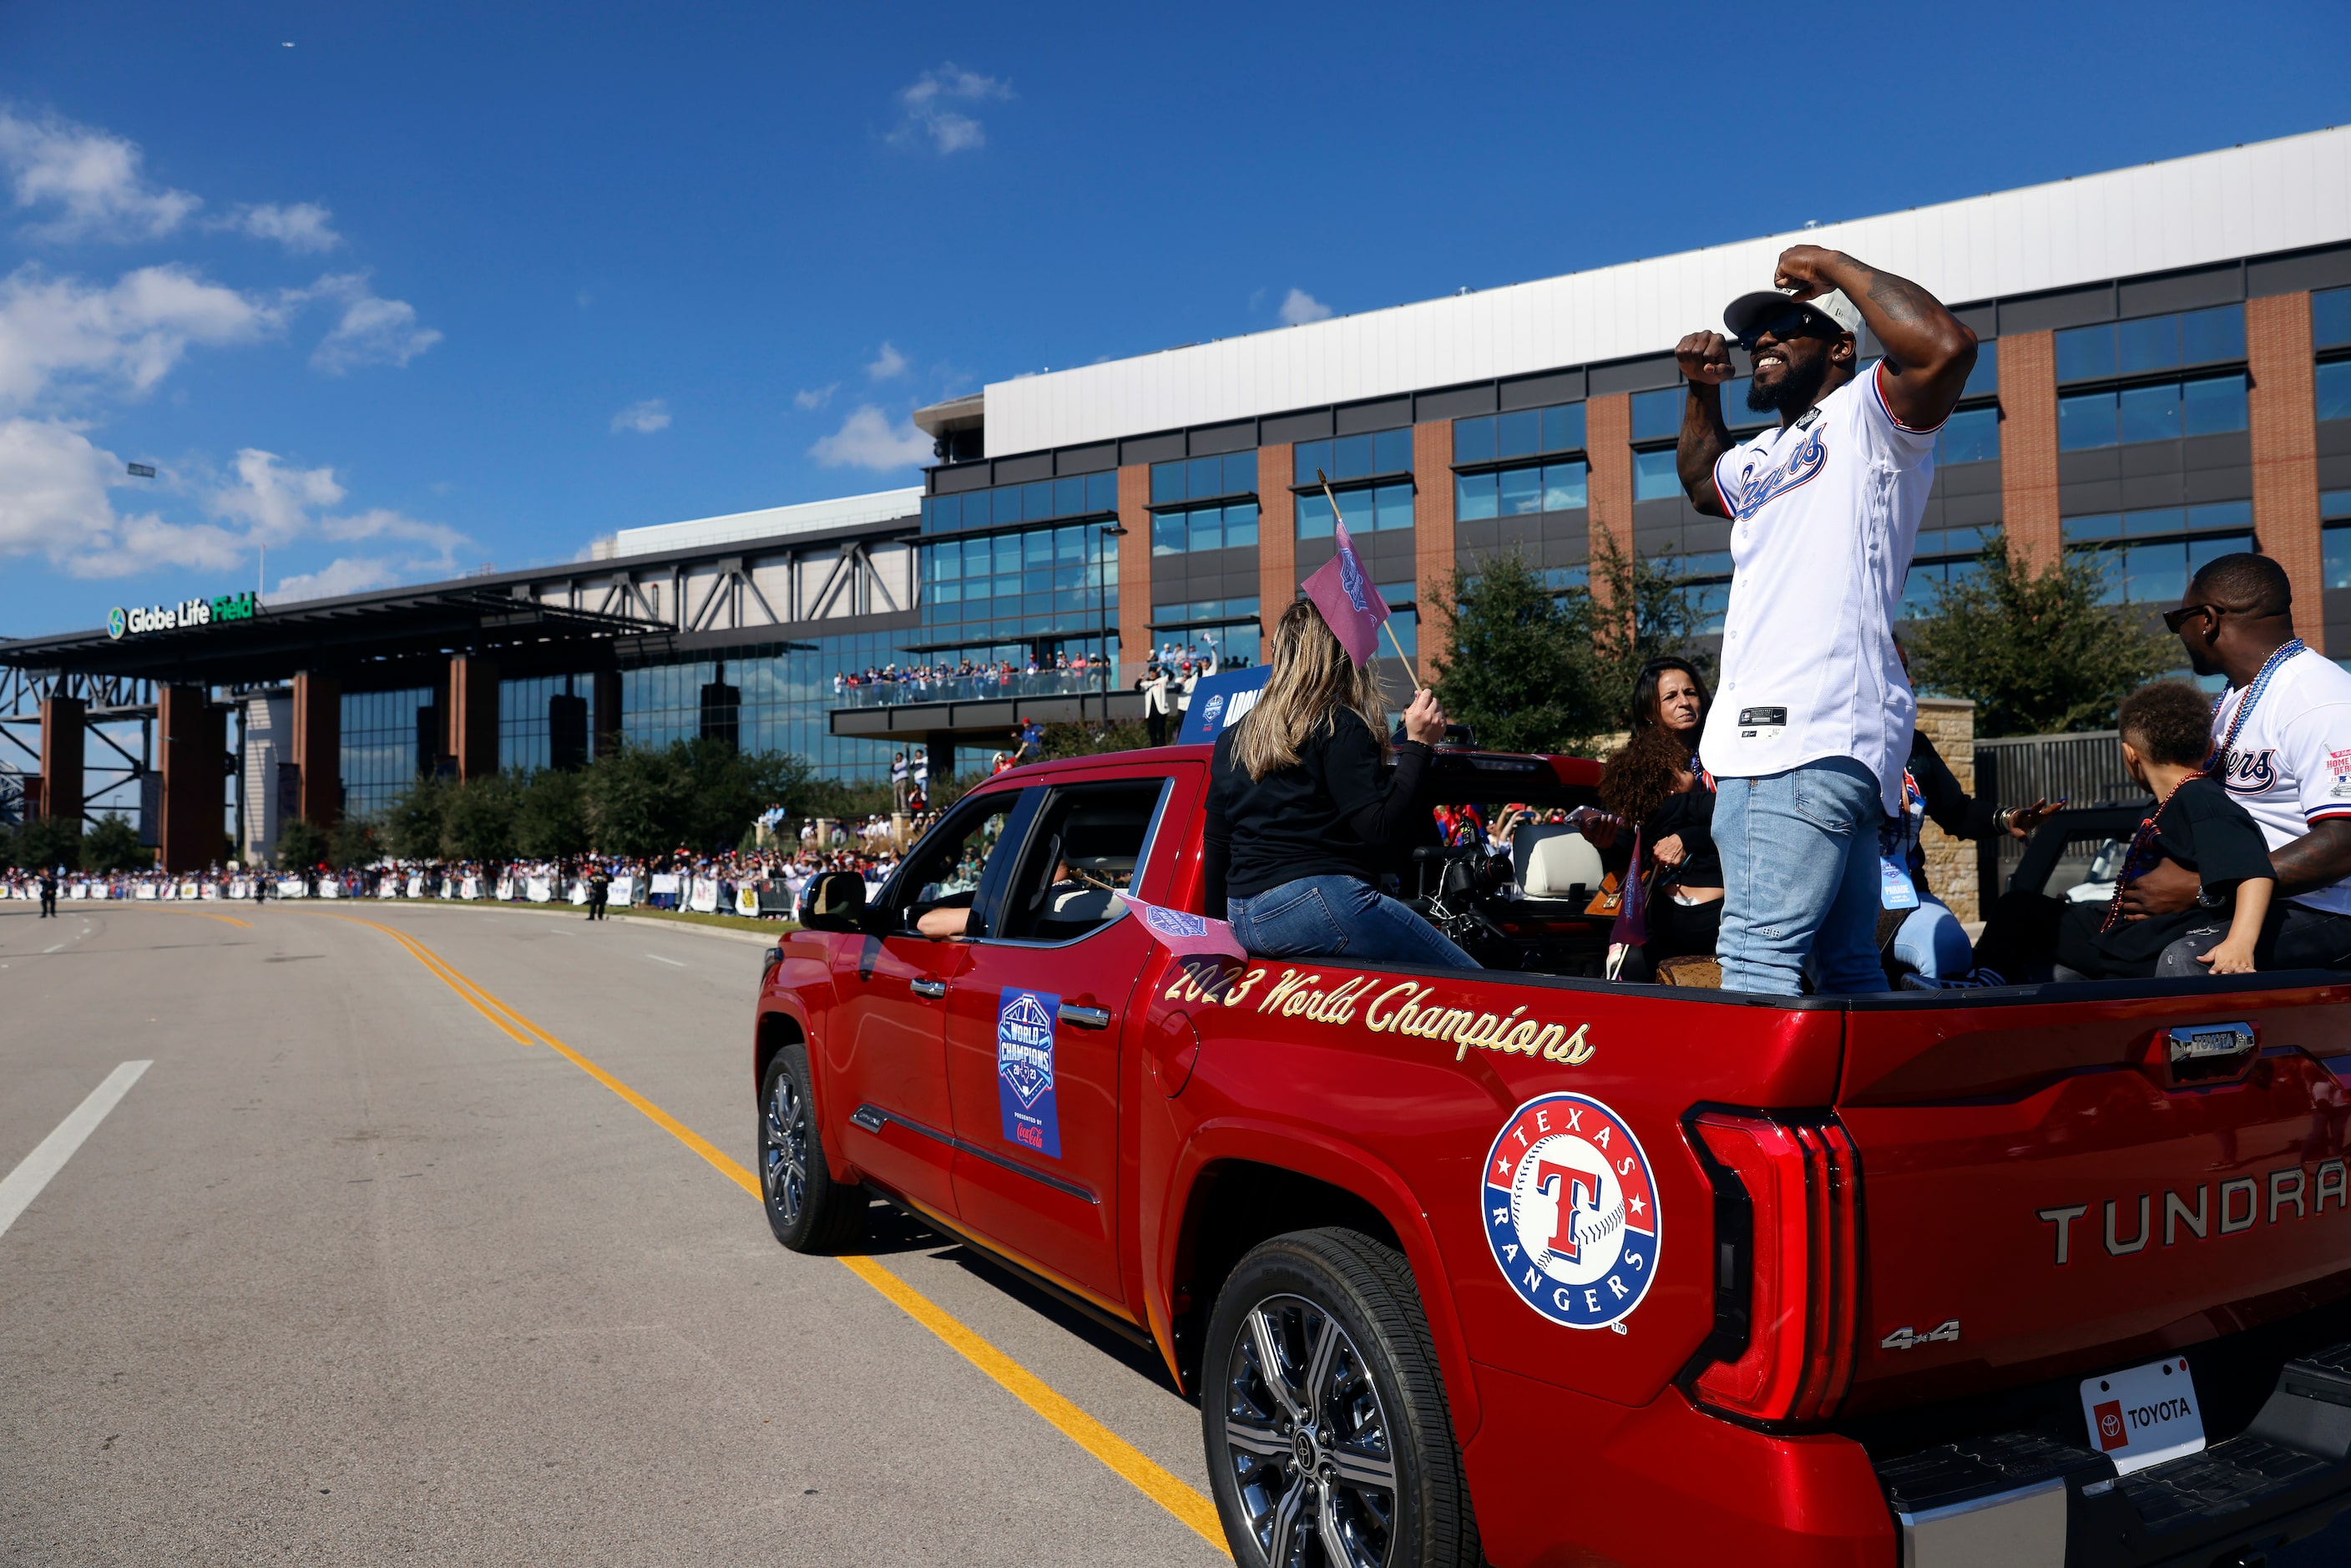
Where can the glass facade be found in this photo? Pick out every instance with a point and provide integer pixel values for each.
(2335, 390)
(1365, 510)
(2151, 343)
(1204, 478)
(1525, 433)
(1508, 492)
(1076, 496)
(524, 741)
(1654, 476)
(2330, 317)
(1352, 457)
(379, 754)
(1231, 625)
(2167, 411)
(2149, 556)
(1205, 527)
(1971, 435)
(1009, 591)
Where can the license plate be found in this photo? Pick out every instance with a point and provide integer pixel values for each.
(2144, 1416)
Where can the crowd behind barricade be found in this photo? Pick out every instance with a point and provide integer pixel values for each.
(762, 883)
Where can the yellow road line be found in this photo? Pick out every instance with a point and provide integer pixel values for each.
(232, 919)
(1148, 1477)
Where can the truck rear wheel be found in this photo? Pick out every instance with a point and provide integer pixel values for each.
(807, 1210)
(1328, 1442)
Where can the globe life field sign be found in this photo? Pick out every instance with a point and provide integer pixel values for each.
(188, 613)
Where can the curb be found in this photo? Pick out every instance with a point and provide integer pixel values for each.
(487, 907)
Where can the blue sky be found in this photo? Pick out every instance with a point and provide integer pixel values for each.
(441, 286)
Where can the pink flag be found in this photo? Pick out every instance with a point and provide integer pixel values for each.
(1341, 589)
(1182, 933)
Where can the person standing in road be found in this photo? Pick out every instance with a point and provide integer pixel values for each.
(600, 890)
(1809, 733)
(2282, 748)
(49, 892)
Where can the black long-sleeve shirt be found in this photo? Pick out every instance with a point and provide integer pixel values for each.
(1948, 805)
(1339, 812)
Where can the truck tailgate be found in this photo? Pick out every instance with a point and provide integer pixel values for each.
(2055, 1187)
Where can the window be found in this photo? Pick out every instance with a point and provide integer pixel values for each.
(2335, 390)
(1088, 844)
(2148, 557)
(2330, 317)
(1953, 541)
(1352, 457)
(953, 860)
(1984, 380)
(1365, 510)
(1204, 478)
(1538, 487)
(2164, 412)
(1655, 477)
(1657, 416)
(1971, 435)
(1740, 418)
(1922, 588)
(1076, 496)
(2151, 343)
(1042, 573)
(1177, 616)
(1204, 528)
(1523, 433)
(2335, 550)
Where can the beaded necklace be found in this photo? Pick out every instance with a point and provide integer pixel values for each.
(2253, 690)
(2135, 859)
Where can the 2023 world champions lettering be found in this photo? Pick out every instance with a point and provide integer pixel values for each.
(1386, 1007)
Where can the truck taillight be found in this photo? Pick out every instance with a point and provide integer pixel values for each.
(1787, 1265)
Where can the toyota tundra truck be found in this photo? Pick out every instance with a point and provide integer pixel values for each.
(1524, 1266)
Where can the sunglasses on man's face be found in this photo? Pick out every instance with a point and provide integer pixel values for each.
(1787, 324)
(2173, 619)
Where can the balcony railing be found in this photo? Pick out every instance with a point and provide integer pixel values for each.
(885, 692)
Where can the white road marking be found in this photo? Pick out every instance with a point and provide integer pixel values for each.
(659, 960)
(52, 949)
(24, 1184)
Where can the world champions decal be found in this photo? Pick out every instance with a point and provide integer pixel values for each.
(1024, 1069)
(1571, 1211)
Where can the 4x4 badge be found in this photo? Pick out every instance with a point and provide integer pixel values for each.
(1906, 1338)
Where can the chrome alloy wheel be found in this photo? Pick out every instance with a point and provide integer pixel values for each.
(784, 1149)
(1308, 1440)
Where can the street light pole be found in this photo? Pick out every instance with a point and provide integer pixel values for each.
(1102, 600)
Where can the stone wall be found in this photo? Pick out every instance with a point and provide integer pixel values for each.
(1951, 863)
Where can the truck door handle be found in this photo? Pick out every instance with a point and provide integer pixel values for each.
(929, 988)
(1086, 1018)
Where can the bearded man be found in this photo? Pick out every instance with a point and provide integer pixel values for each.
(1811, 729)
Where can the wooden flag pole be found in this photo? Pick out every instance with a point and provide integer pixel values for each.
(1325, 482)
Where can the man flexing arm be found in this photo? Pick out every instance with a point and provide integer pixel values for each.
(1801, 355)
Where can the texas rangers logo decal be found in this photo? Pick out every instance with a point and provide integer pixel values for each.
(1571, 1211)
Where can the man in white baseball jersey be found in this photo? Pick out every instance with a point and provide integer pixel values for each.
(2281, 744)
(1809, 733)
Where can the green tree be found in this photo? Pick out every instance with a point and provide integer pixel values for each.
(412, 823)
(355, 843)
(302, 844)
(1092, 740)
(2038, 652)
(635, 800)
(1666, 619)
(477, 820)
(1519, 667)
(46, 841)
(550, 817)
(112, 844)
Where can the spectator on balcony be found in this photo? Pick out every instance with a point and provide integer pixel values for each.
(898, 777)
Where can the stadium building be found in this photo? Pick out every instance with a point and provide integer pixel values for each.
(2165, 376)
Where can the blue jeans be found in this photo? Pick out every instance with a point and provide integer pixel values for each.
(1933, 942)
(1799, 878)
(1339, 917)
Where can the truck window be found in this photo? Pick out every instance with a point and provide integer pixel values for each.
(1088, 843)
(946, 869)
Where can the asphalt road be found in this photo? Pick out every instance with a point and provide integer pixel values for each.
(351, 1275)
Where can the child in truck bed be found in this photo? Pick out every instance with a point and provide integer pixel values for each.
(2166, 736)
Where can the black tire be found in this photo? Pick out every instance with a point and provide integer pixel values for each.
(807, 1210)
(1380, 1478)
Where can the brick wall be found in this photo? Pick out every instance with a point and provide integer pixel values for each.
(2282, 409)
(1432, 525)
(1608, 435)
(1135, 644)
(1277, 538)
(2028, 446)
(1951, 863)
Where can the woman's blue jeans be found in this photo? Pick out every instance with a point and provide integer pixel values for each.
(1339, 917)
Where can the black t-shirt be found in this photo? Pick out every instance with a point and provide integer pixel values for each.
(2206, 832)
(1302, 821)
(1689, 814)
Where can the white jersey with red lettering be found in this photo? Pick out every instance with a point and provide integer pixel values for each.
(2291, 765)
(1825, 517)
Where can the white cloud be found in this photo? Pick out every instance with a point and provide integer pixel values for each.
(371, 332)
(867, 439)
(1300, 307)
(90, 179)
(809, 398)
(129, 334)
(273, 503)
(304, 228)
(926, 107)
(346, 574)
(52, 488)
(645, 418)
(886, 364)
(382, 523)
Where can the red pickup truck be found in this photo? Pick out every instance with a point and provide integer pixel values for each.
(1525, 1263)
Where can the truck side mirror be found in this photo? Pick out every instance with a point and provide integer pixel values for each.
(834, 901)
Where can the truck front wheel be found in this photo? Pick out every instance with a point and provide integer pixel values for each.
(807, 1210)
(1328, 1438)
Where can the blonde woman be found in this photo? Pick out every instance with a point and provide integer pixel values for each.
(1304, 812)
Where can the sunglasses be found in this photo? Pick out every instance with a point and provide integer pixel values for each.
(1794, 322)
(2173, 619)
